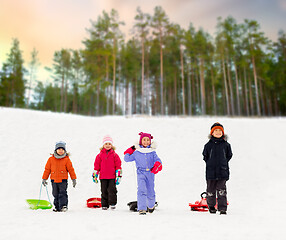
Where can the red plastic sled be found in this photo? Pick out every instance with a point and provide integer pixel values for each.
(201, 205)
(93, 203)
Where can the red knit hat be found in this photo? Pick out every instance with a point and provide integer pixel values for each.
(142, 135)
(217, 126)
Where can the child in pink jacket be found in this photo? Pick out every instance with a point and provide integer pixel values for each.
(107, 166)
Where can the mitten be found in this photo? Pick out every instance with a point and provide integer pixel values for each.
(73, 182)
(130, 150)
(44, 182)
(118, 174)
(95, 176)
(156, 168)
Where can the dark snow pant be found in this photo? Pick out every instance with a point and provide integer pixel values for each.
(108, 192)
(60, 194)
(217, 189)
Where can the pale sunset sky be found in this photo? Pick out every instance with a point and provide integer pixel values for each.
(50, 25)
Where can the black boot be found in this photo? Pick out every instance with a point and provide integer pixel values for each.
(212, 210)
(142, 212)
(150, 210)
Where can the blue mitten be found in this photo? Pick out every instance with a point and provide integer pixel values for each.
(118, 174)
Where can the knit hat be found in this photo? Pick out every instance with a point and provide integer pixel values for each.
(60, 144)
(142, 135)
(217, 126)
(107, 139)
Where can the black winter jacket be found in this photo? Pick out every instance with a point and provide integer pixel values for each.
(217, 153)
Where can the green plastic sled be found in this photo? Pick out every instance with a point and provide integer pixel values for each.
(39, 204)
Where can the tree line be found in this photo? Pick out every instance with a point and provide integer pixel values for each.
(162, 69)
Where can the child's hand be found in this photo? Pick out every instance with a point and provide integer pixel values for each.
(118, 174)
(117, 180)
(44, 182)
(130, 150)
(156, 168)
(73, 182)
(95, 176)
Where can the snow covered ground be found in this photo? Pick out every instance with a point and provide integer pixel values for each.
(256, 190)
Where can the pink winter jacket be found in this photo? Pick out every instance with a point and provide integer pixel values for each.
(107, 162)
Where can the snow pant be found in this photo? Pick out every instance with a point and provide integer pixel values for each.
(108, 192)
(145, 192)
(60, 194)
(217, 189)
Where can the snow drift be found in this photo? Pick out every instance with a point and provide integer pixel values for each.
(255, 189)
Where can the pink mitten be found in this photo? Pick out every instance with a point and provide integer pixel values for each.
(130, 150)
(156, 168)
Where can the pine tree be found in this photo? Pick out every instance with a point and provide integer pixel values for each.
(62, 71)
(33, 69)
(12, 78)
(143, 21)
(159, 23)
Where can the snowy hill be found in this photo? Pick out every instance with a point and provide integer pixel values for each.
(256, 190)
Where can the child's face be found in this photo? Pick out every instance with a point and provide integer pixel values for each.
(60, 151)
(217, 133)
(146, 141)
(107, 146)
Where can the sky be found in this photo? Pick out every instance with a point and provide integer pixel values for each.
(50, 25)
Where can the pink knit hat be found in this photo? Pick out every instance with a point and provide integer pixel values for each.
(107, 139)
(142, 135)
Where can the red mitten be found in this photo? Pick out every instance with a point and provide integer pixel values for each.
(130, 150)
(156, 168)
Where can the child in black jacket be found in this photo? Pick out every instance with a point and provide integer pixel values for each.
(217, 153)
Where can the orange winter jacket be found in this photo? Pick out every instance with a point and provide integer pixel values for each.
(59, 169)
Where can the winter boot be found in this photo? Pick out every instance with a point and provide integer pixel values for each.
(150, 210)
(142, 212)
(64, 209)
(212, 210)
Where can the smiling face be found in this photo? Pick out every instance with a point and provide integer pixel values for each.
(60, 151)
(107, 146)
(217, 133)
(146, 141)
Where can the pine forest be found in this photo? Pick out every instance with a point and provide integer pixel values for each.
(160, 69)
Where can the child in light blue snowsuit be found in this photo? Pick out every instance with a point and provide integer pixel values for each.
(148, 164)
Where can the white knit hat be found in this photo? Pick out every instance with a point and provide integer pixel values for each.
(107, 139)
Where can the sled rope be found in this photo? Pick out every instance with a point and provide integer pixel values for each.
(41, 194)
(48, 195)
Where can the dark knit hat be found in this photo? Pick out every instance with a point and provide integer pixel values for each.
(60, 144)
(142, 135)
(217, 126)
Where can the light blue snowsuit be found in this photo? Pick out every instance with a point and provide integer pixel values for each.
(144, 159)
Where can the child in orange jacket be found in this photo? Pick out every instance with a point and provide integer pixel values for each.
(58, 166)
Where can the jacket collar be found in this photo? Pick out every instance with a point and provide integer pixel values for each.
(149, 149)
(57, 156)
(213, 139)
(106, 152)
